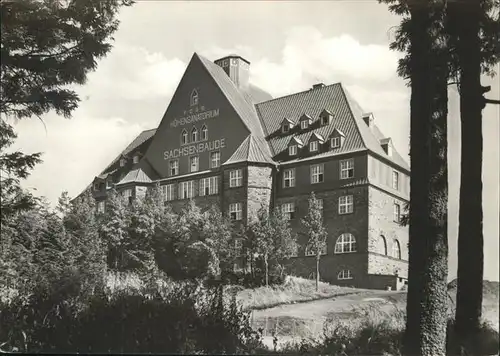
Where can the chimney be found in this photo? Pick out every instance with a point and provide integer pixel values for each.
(368, 119)
(237, 68)
(318, 85)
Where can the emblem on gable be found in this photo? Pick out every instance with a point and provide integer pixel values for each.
(193, 100)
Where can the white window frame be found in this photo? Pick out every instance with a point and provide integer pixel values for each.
(187, 188)
(320, 203)
(396, 213)
(317, 173)
(101, 207)
(184, 137)
(194, 134)
(313, 146)
(346, 243)
(168, 192)
(215, 159)
(109, 183)
(122, 162)
(292, 150)
(304, 125)
(127, 193)
(235, 178)
(174, 165)
(289, 178)
(209, 186)
(236, 211)
(344, 275)
(309, 251)
(335, 142)
(347, 168)
(346, 204)
(194, 98)
(136, 159)
(194, 164)
(204, 133)
(396, 249)
(395, 180)
(288, 210)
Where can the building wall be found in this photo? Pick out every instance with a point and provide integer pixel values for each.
(380, 174)
(259, 189)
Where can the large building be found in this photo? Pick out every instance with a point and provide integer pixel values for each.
(224, 141)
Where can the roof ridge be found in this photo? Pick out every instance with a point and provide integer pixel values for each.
(298, 93)
(345, 94)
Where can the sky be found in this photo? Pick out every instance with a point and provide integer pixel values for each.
(291, 46)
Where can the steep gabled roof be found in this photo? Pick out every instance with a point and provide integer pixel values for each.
(135, 176)
(249, 151)
(240, 102)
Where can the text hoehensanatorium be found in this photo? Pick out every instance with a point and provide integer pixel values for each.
(196, 148)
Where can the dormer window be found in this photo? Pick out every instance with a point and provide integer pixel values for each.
(204, 133)
(184, 137)
(194, 134)
(386, 144)
(304, 124)
(325, 117)
(292, 150)
(109, 183)
(313, 146)
(136, 159)
(285, 128)
(122, 162)
(335, 142)
(194, 98)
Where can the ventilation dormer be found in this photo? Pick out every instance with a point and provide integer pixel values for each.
(136, 158)
(325, 118)
(386, 144)
(123, 161)
(336, 139)
(286, 125)
(368, 119)
(315, 143)
(305, 121)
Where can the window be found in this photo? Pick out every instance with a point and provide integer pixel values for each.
(174, 167)
(317, 173)
(345, 243)
(122, 162)
(288, 209)
(194, 134)
(236, 211)
(325, 120)
(127, 193)
(292, 150)
(289, 178)
(109, 183)
(395, 180)
(382, 245)
(335, 142)
(346, 204)
(215, 159)
(184, 137)
(168, 192)
(310, 252)
(313, 146)
(194, 163)
(186, 190)
(285, 128)
(320, 204)
(396, 249)
(235, 178)
(209, 186)
(344, 274)
(304, 124)
(397, 212)
(204, 133)
(194, 98)
(97, 186)
(101, 206)
(347, 168)
(136, 159)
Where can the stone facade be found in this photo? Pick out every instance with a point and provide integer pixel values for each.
(259, 189)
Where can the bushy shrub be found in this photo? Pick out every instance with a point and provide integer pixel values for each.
(185, 320)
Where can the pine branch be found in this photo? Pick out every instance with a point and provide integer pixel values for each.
(491, 101)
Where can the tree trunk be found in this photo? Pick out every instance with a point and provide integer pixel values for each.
(470, 233)
(428, 246)
(267, 270)
(317, 272)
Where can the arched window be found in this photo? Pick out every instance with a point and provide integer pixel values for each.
(194, 134)
(344, 274)
(396, 249)
(204, 133)
(184, 137)
(345, 243)
(194, 98)
(382, 245)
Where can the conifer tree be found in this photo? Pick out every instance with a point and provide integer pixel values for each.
(315, 231)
